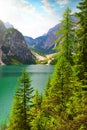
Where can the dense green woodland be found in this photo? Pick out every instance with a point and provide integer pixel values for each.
(63, 106)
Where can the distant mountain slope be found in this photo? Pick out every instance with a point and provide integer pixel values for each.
(8, 25)
(45, 43)
(30, 41)
(13, 48)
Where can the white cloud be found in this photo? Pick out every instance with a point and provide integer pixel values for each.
(12, 9)
(48, 9)
(25, 17)
(36, 24)
(48, 6)
(62, 2)
(46, 2)
(24, 5)
(28, 19)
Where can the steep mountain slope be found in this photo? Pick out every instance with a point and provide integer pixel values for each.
(2, 29)
(13, 47)
(44, 43)
(30, 41)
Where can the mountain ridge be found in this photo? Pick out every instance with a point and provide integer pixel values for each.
(44, 43)
(13, 47)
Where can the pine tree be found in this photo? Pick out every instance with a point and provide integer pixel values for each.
(60, 88)
(36, 112)
(48, 85)
(64, 43)
(81, 39)
(20, 119)
(80, 69)
(61, 79)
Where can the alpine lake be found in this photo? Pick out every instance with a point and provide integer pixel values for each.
(9, 82)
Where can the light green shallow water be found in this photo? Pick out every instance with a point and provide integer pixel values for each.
(8, 82)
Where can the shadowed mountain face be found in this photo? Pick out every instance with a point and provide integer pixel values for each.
(13, 48)
(2, 29)
(45, 43)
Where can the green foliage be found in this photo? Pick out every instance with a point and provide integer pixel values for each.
(65, 42)
(60, 89)
(12, 60)
(81, 39)
(79, 123)
(20, 118)
(48, 85)
(3, 126)
(64, 96)
(15, 62)
(42, 61)
(64, 103)
(36, 112)
(54, 59)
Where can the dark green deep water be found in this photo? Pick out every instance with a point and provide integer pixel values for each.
(8, 83)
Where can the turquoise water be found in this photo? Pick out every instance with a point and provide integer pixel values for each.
(8, 83)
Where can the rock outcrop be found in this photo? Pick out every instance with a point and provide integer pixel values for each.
(13, 48)
(2, 29)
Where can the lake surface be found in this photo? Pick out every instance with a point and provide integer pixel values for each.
(9, 82)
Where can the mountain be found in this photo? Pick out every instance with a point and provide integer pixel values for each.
(45, 43)
(13, 47)
(8, 25)
(2, 29)
(30, 41)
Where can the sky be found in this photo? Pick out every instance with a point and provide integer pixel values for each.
(34, 17)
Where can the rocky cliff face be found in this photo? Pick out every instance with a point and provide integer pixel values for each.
(2, 29)
(13, 47)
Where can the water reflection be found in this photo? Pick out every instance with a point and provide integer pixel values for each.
(16, 71)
